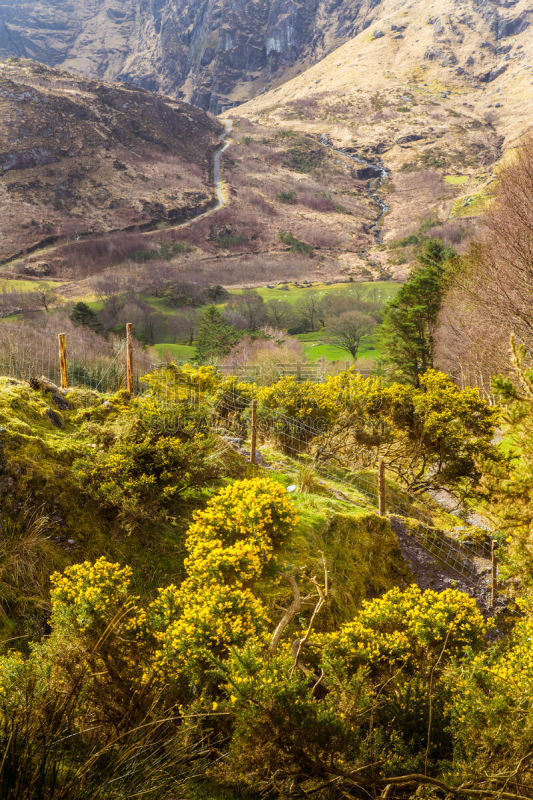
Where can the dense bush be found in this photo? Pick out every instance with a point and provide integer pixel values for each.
(508, 483)
(107, 689)
(295, 245)
(347, 702)
(229, 545)
(360, 704)
(294, 413)
(492, 693)
(126, 691)
(432, 436)
(149, 458)
(286, 197)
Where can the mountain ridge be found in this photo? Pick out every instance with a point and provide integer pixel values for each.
(429, 96)
(435, 95)
(217, 53)
(80, 157)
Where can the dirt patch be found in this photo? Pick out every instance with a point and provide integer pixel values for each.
(429, 573)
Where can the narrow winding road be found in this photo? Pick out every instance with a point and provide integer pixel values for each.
(50, 243)
(225, 142)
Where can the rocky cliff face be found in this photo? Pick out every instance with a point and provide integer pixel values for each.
(433, 91)
(217, 53)
(212, 52)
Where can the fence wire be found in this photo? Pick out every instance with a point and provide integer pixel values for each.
(26, 358)
(231, 417)
(27, 354)
(265, 374)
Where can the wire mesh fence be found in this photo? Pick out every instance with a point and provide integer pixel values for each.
(270, 372)
(299, 437)
(26, 354)
(103, 374)
(92, 362)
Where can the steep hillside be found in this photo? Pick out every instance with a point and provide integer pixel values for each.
(217, 53)
(422, 133)
(203, 635)
(79, 156)
(434, 92)
(289, 207)
(43, 460)
(213, 52)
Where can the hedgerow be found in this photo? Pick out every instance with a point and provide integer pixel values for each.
(432, 436)
(149, 458)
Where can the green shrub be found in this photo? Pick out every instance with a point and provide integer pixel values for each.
(229, 240)
(286, 197)
(166, 252)
(295, 245)
(145, 465)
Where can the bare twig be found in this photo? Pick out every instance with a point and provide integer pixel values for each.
(290, 613)
(322, 593)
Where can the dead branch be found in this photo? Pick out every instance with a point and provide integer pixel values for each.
(455, 791)
(289, 615)
(322, 594)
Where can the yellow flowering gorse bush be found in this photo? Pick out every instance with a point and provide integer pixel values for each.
(406, 628)
(150, 459)
(188, 627)
(229, 544)
(91, 595)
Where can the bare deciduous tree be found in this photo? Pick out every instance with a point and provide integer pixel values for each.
(492, 295)
(347, 330)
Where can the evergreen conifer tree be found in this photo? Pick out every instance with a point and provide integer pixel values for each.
(410, 318)
(216, 336)
(82, 314)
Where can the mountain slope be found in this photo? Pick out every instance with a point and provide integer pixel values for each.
(79, 156)
(212, 52)
(216, 53)
(436, 92)
(427, 95)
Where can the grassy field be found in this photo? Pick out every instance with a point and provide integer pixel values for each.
(177, 352)
(22, 285)
(316, 347)
(455, 180)
(381, 291)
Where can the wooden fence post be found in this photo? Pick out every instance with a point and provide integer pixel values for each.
(62, 338)
(381, 488)
(129, 357)
(494, 579)
(253, 443)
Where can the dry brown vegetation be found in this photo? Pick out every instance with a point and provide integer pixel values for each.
(492, 296)
(419, 97)
(433, 99)
(79, 156)
(29, 349)
(230, 269)
(284, 182)
(331, 212)
(278, 349)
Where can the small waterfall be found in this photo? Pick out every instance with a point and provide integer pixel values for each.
(376, 171)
